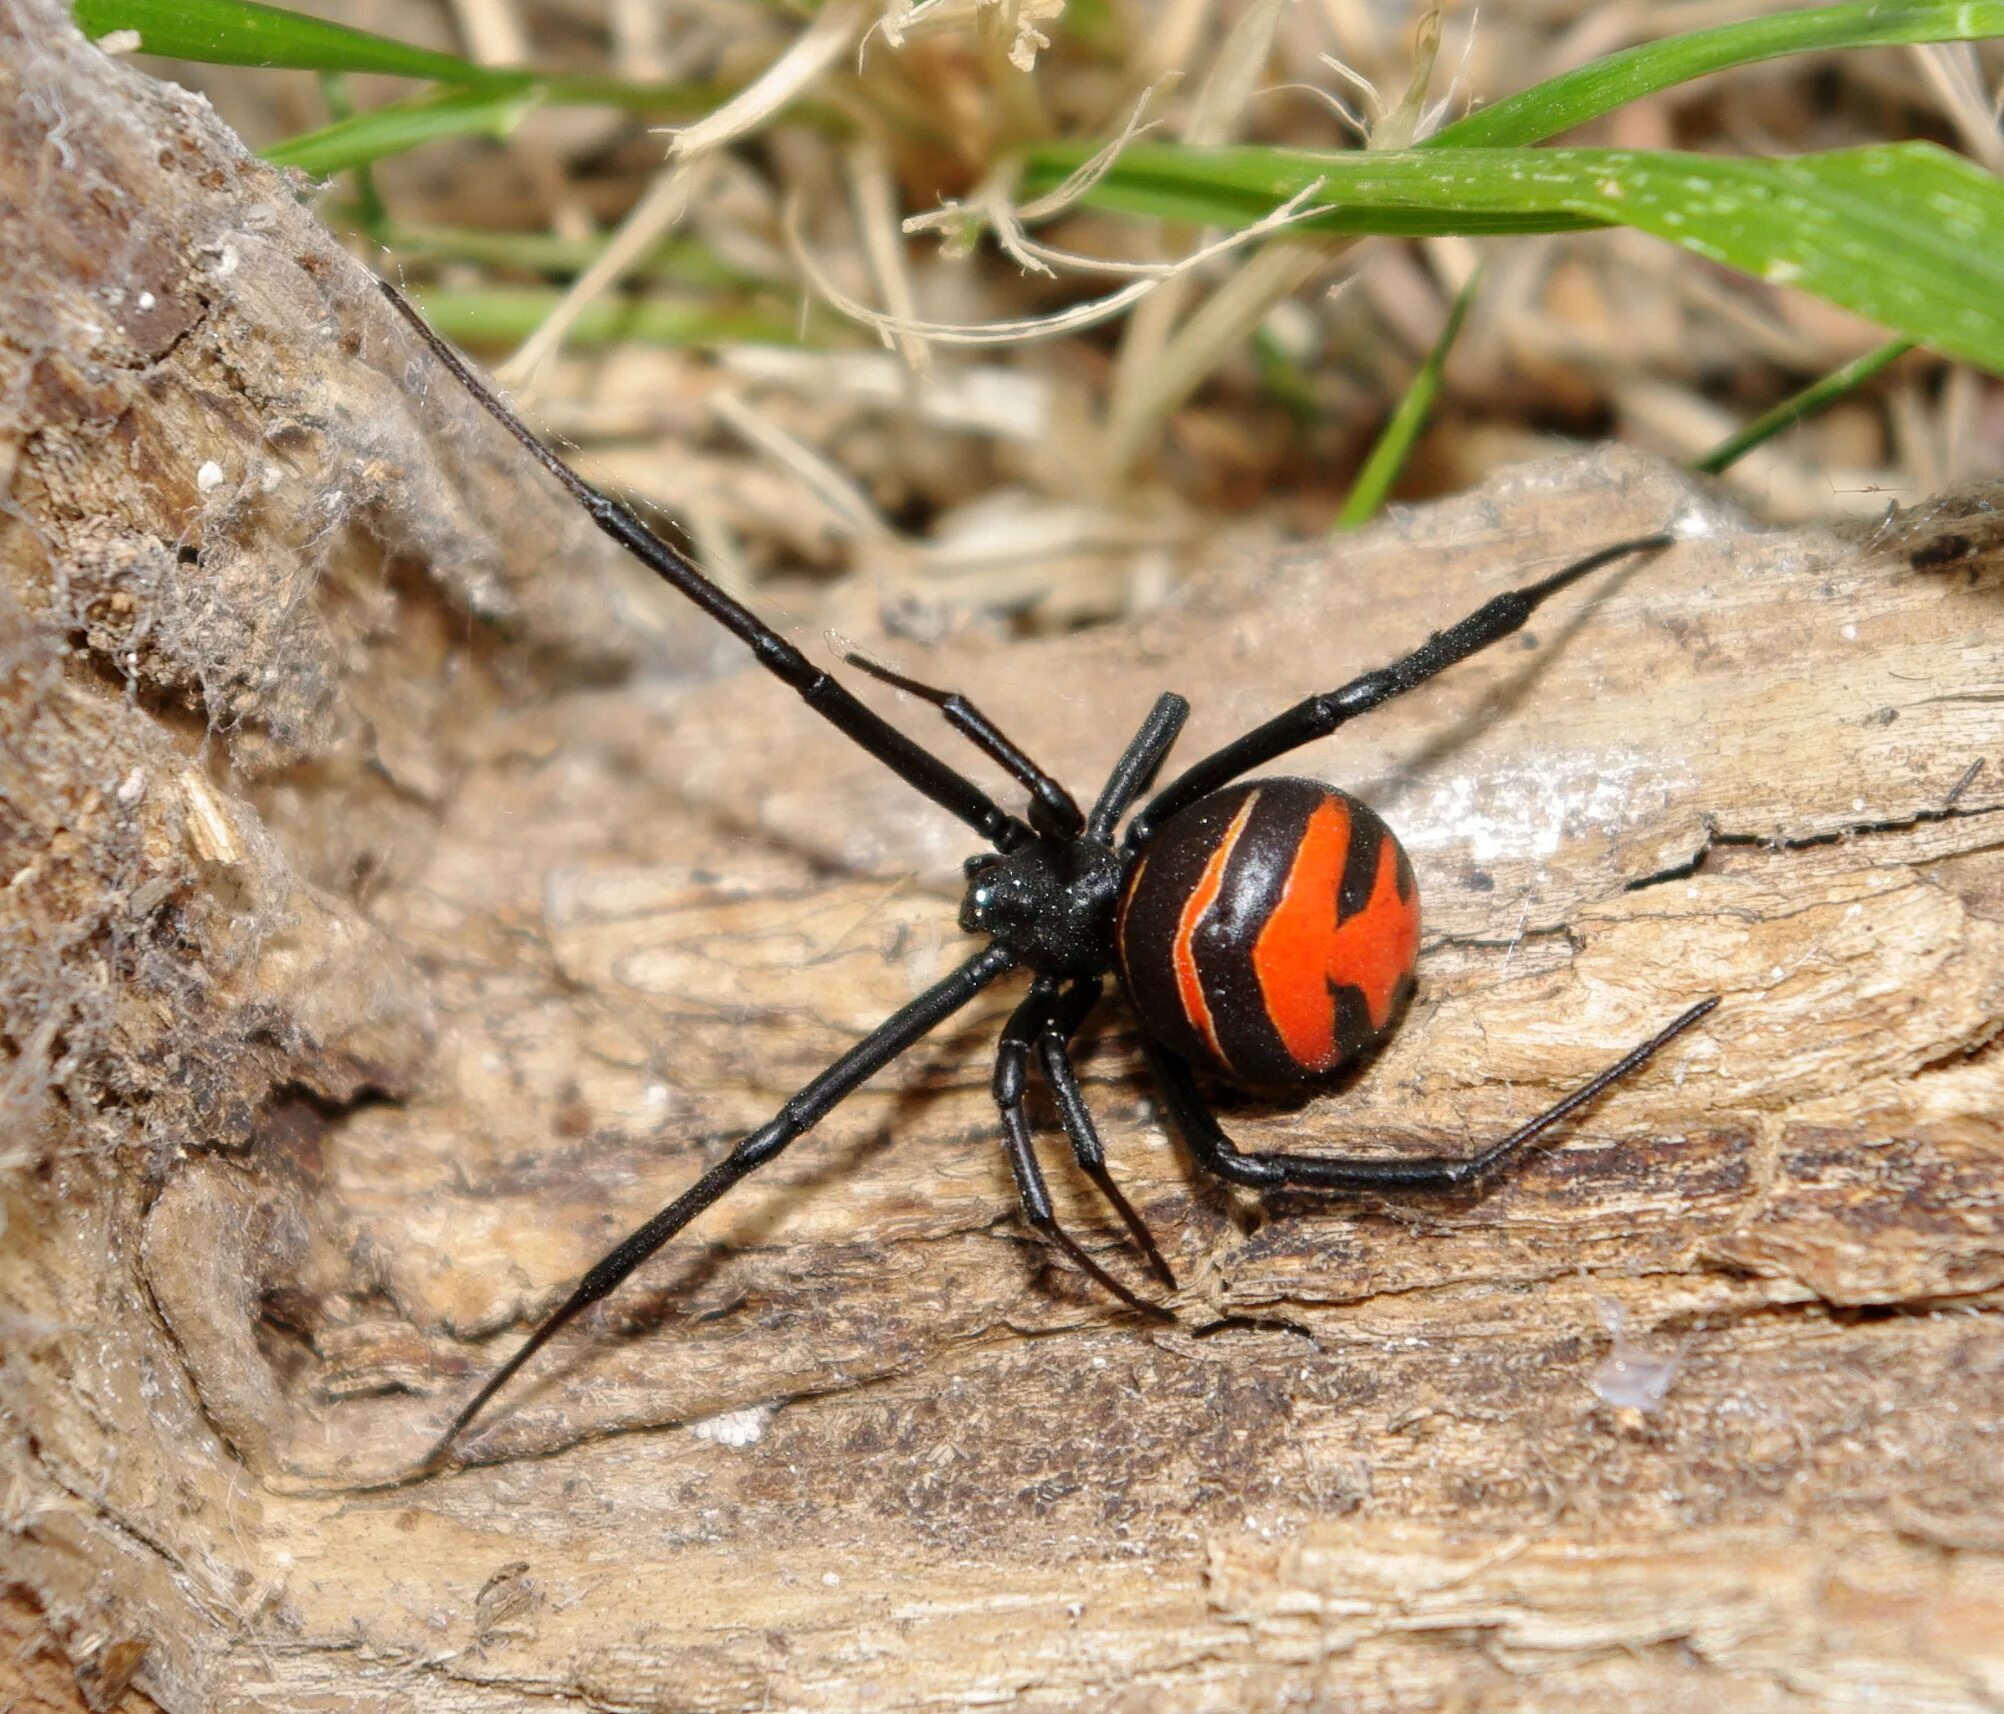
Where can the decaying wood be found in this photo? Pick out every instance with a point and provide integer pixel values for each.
(387, 927)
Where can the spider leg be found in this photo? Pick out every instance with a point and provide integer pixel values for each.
(1216, 1152)
(1011, 1081)
(1052, 808)
(1317, 716)
(822, 692)
(1138, 764)
(801, 1113)
(1054, 1050)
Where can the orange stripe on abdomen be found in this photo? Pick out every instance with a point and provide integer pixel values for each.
(1303, 950)
(1183, 957)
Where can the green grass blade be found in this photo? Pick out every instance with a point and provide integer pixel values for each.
(661, 100)
(485, 112)
(240, 32)
(368, 208)
(680, 260)
(504, 315)
(1806, 403)
(404, 125)
(237, 32)
(1905, 234)
(1559, 104)
(1402, 432)
(1406, 192)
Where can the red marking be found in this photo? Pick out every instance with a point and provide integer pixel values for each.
(1303, 949)
(1184, 956)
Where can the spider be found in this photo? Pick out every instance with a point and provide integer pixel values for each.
(1264, 929)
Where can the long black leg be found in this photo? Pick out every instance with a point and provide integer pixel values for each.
(1052, 808)
(1011, 1081)
(1216, 1152)
(1138, 763)
(823, 693)
(1317, 716)
(1053, 1048)
(876, 1050)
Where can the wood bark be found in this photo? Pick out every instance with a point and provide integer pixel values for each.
(392, 919)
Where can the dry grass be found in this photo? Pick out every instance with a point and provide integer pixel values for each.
(1055, 480)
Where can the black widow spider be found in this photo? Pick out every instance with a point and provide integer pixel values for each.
(1267, 929)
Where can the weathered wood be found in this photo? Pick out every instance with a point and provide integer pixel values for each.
(377, 949)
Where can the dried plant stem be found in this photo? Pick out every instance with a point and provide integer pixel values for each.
(1219, 326)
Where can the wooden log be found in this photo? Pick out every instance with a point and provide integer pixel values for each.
(390, 923)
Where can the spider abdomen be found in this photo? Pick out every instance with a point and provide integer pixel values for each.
(1270, 931)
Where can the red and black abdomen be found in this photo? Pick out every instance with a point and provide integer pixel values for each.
(1270, 931)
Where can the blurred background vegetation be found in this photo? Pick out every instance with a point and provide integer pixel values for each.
(815, 282)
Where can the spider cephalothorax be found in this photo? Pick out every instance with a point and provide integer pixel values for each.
(1050, 902)
(1264, 928)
